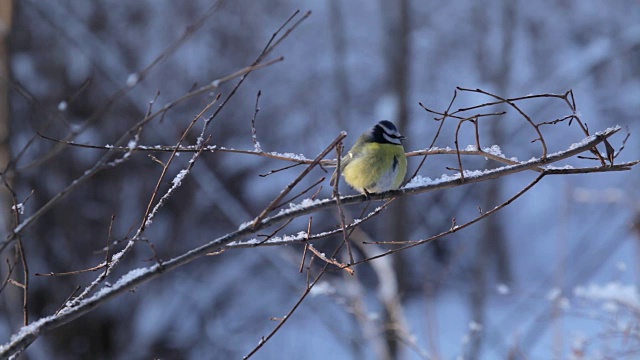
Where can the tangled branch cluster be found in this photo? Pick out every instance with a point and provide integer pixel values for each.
(280, 212)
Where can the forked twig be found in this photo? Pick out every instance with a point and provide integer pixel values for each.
(324, 258)
(454, 227)
(517, 108)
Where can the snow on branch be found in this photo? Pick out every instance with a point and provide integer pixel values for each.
(85, 302)
(92, 296)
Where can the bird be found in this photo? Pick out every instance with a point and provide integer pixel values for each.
(376, 163)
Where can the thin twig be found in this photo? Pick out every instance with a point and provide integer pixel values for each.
(25, 281)
(64, 303)
(345, 236)
(332, 261)
(435, 137)
(456, 142)
(308, 237)
(254, 133)
(168, 162)
(267, 237)
(517, 108)
(306, 245)
(300, 194)
(284, 319)
(454, 227)
(9, 273)
(304, 173)
(103, 265)
(280, 169)
(20, 253)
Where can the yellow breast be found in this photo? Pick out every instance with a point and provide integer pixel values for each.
(376, 168)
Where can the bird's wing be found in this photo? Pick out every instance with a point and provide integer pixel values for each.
(343, 162)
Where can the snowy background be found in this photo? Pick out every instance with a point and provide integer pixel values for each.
(554, 275)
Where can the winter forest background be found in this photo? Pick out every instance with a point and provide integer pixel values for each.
(552, 275)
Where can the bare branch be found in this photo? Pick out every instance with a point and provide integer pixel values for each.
(140, 276)
(304, 173)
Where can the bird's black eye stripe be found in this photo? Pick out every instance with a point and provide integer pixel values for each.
(385, 132)
(393, 134)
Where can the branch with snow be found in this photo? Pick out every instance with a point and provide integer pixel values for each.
(139, 276)
(83, 303)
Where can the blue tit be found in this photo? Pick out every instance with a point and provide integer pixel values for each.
(376, 162)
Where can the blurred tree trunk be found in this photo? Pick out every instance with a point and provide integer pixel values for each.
(340, 74)
(396, 24)
(6, 13)
(493, 252)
